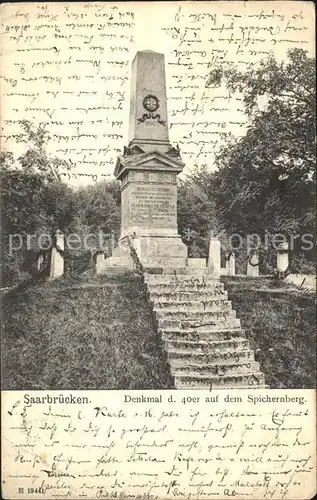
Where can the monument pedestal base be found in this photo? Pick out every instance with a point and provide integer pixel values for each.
(160, 251)
(153, 251)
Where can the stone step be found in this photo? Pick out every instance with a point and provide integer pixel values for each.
(208, 335)
(194, 325)
(176, 358)
(111, 270)
(185, 271)
(195, 305)
(215, 369)
(250, 380)
(179, 288)
(189, 296)
(179, 347)
(186, 279)
(203, 339)
(155, 264)
(195, 315)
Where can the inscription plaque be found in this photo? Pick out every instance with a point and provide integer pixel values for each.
(153, 206)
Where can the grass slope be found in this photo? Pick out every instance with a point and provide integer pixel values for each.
(76, 334)
(281, 325)
(98, 333)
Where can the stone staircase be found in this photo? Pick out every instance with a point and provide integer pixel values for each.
(205, 344)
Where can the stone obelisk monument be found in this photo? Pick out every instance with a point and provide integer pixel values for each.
(148, 170)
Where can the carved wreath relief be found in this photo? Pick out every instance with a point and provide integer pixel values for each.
(151, 103)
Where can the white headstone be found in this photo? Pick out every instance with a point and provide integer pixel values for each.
(57, 257)
(214, 258)
(253, 265)
(231, 265)
(282, 258)
(100, 258)
(40, 262)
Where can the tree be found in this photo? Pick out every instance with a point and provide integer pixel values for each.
(98, 206)
(96, 222)
(196, 211)
(33, 198)
(36, 158)
(266, 179)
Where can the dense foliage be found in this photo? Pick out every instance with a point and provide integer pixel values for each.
(273, 165)
(264, 182)
(33, 201)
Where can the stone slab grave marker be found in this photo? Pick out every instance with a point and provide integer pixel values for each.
(99, 258)
(231, 264)
(57, 256)
(214, 257)
(282, 257)
(148, 170)
(253, 264)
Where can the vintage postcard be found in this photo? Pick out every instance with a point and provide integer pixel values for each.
(158, 250)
